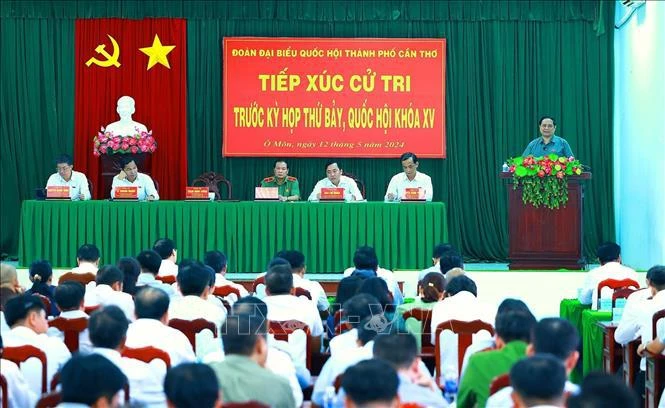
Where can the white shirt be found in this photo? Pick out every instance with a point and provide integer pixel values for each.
(146, 187)
(315, 290)
(502, 398)
(192, 308)
(434, 268)
(343, 342)
(105, 295)
(388, 276)
(153, 333)
(168, 268)
(400, 182)
(145, 384)
(336, 365)
(628, 327)
(465, 307)
(84, 337)
(86, 267)
(57, 355)
(78, 184)
(351, 191)
(19, 394)
(641, 325)
(148, 279)
(220, 280)
(611, 270)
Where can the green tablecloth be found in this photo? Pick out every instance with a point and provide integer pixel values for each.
(571, 310)
(248, 232)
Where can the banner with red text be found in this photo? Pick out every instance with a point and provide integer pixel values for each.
(334, 97)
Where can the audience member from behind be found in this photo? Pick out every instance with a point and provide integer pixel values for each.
(513, 331)
(219, 262)
(9, 278)
(150, 327)
(26, 316)
(401, 352)
(430, 291)
(109, 291)
(601, 390)
(449, 260)
(150, 262)
(91, 381)
(87, 259)
(192, 385)
(130, 270)
(366, 264)
(242, 375)
(19, 394)
(538, 381)
(69, 299)
(297, 261)
(355, 310)
(108, 333)
(438, 251)
(169, 253)
(41, 275)
(371, 383)
(609, 256)
(552, 336)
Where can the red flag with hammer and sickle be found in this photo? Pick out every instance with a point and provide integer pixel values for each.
(147, 60)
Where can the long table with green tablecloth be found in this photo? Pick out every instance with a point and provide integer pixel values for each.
(250, 233)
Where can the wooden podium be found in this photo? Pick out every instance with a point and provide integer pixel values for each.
(540, 238)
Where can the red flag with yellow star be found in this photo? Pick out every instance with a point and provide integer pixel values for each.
(147, 60)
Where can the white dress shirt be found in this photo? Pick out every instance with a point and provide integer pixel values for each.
(145, 384)
(434, 268)
(641, 324)
(168, 268)
(336, 365)
(400, 182)
(351, 191)
(502, 398)
(84, 337)
(153, 333)
(146, 187)
(56, 352)
(148, 279)
(465, 307)
(86, 267)
(628, 326)
(388, 276)
(315, 290)
(220, 280)
(611, 270)
(19, 393)
(105, 295)
(192, 308)
(78, 184)
(343, 342)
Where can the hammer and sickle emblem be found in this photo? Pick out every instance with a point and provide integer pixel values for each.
(110, 59)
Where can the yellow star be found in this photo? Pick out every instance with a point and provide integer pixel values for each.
(157, 53)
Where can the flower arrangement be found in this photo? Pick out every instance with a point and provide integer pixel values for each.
(107, 143)
(544, 179)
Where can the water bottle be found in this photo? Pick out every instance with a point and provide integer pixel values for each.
(450, 384)
(330, 397)
(505, 167)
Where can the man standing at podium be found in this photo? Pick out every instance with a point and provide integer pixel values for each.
(287, 186)
(548, 143)
(66, 176)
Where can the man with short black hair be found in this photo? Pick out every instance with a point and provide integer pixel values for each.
(400, 350)
(354, 310)
(192, 385)
(69, 299)
(166, 249)
(366, 265)
(87, 258)
(297, 261)
(335, 179)
(109, 291)
(609, 256)
(26, 316)
(438, 251)
(67, 177)
(513, 333)
(538, 381)
(150, 262)
(287, 186)
(91, 381)
(371, 383)
(150, 327)
(108, 332)
(242, 375)
(602, 390)
(218, 262)
(410, 178)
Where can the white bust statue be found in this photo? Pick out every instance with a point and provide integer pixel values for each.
(126, 126)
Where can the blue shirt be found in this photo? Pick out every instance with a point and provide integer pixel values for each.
(557, 145)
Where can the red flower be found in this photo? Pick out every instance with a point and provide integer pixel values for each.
(541, 174)
(559, 175)
(134, 149)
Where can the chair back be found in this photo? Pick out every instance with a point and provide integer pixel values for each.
(654, 322)
(281, 329)
(168, 279)
(465, 332)
(89, 309)
(46, 301)
(3, 387)
(616, 284)
(499, 382)
(225, 291)
(147, 354)
(425, 318)
(359, 182)
(72, 328)
(20, 354)
(623, 293)
(50, 400)
(212, 180)
(261, 280)
(191, 327)
(343, 327)
(247, 404)
(82, 278)
(302, 292)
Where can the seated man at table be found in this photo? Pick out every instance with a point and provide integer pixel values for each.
(287, 186)
(66, 176)
(410, 178)
(609, 256)
(335, 179)
(131, 177)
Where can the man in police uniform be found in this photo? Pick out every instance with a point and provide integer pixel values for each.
(288, 188)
